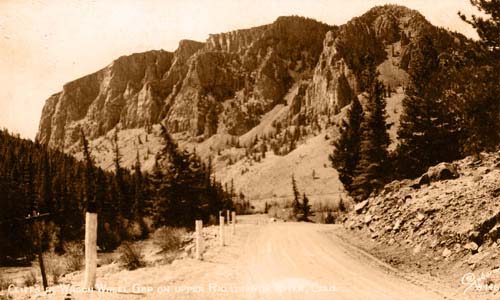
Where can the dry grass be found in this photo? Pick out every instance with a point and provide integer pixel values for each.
(273, 174)
(55, 266)
(5, 297)
(283, 213)
(4, 283)
(30, 279)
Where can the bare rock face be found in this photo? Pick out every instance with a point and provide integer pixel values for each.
(239, 76)
(348, 49)
(229, 83)
(223, 85)
(130, 91)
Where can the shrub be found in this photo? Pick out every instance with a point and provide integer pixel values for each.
(73, 258)
(130, 256)
(341, 206)
(30, 279)
(169, 239)
(137, 230)
(108, 238)
(212, 220)
(134, 230)
(329, 218)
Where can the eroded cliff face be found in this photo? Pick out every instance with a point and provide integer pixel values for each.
(221, 86)
(294, 72)
(129, 92)
(239, 76)
(383, 36)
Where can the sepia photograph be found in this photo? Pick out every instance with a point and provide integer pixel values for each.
(249, 149)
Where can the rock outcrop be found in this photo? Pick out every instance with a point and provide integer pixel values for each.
(223, 85)
(129, 92)
(227, 85)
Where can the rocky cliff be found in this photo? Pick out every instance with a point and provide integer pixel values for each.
(240, 87)
(223, 85)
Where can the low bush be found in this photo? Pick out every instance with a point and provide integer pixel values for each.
(137, 230)
(73, 258)
(169, 239)
(130, 256)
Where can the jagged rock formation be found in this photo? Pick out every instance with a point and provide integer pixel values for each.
(223, 85)
(227, 85)
(130, 92)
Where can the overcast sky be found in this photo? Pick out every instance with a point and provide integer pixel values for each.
(45, 43)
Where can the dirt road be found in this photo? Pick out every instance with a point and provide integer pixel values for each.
(269, 260)
(278, 260)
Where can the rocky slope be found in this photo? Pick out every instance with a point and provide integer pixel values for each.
(242, 93)
(446, 221)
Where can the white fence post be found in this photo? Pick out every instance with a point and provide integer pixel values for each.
(90, 250)
(199, 228)
(233, 224)
(228, 214)
(221, 230)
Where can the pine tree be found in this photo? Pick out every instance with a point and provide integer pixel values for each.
(185, 181)
(306, 208)
(481, 111)
(428, 134)
(345, 155)
(481, 108)
(231, 189)
(138, 208)
(159, 201)
(488, 28)
(429, 130)
(296, 196)
(344, 92)
(34, 177)
(120, 193)
(371, 170)
(89, 185)
(46, 194)
(28, 187)
(139, 197)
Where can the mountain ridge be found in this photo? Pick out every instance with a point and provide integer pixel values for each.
(246, 92)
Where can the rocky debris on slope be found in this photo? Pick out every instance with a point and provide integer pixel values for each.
(454, 217)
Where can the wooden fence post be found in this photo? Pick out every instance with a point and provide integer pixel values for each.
(199, 228)
(228, 214)
(221, 230)
(90, 250)
(233, 224)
